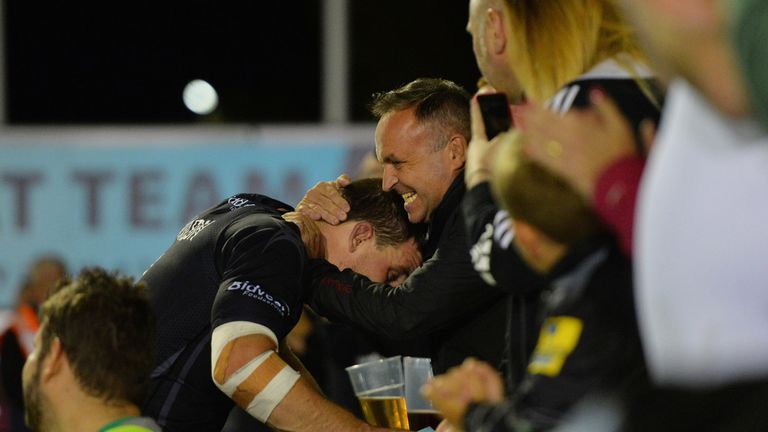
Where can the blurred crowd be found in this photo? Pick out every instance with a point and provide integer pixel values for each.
(596, 263)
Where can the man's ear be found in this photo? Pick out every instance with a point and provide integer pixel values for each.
(457, 151)
(54, 361)
(361, 232)
(495, 33)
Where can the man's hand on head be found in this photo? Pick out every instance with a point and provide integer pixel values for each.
(324, 201)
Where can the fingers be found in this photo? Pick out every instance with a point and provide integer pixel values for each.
(341, 181)
(607, 110)
(487, 377)
(324, 201)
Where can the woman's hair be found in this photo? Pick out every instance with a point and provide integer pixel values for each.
(555, 41)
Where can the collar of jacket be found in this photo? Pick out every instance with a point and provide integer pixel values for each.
(577, 253)
(443, 212)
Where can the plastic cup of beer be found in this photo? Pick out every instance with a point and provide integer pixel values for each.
(418, 371)
(379, 387)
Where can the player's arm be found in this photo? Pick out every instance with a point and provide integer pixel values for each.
(247, 368)
(255, 307)
(287, 354)
(443, 290)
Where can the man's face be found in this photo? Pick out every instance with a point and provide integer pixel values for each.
(476, 29)
(496, 67)
(34, 400)
(411, 165)
(390, 264)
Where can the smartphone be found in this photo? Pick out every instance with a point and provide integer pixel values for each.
(494, 108)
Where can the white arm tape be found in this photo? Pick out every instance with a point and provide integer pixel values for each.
(225, 333)
(265, 402)
(262, 405)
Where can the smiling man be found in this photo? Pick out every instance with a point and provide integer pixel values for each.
(421, 159)
(421, 140)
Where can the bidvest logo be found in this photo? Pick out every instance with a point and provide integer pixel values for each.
(256, 292)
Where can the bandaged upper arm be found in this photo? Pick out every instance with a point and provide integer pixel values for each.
(262, 382)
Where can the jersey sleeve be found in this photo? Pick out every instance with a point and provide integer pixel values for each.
(444, 289)
(490, 234)
(261, 278)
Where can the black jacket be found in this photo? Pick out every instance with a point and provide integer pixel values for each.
(444, 300)
(589, 343)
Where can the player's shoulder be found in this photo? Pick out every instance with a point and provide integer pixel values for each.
(258, 218)
(619, 79)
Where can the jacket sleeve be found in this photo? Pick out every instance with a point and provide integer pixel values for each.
(616, 196)
(490, 234)
(443, 290)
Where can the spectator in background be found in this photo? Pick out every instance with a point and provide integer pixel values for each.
(92, 357)
(589, 342)
(17, 341)
(536, 43)
(550, 53)
(701, 290)
(369, 167)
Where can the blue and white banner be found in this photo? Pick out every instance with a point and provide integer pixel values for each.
(119, 203)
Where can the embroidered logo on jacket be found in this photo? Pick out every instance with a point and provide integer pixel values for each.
(237, 202)
(192, 229)
(558, 338)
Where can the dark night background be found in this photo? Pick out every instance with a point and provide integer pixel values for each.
(128, 62)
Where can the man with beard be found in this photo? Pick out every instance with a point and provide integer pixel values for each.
(92, 357)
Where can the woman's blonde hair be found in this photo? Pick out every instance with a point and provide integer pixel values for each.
(555, 41)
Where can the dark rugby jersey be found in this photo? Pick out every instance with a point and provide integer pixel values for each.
(237, 261)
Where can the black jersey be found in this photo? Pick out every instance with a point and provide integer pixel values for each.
(588, 344)
(237, 261)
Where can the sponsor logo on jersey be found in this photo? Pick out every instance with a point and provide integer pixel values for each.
(237, 202)
(192, 229)
(256, 292)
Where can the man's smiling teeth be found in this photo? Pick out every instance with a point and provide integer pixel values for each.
(409, 197)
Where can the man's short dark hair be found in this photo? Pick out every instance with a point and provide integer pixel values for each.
(106, 328)
(434, 100)
(384, 210)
